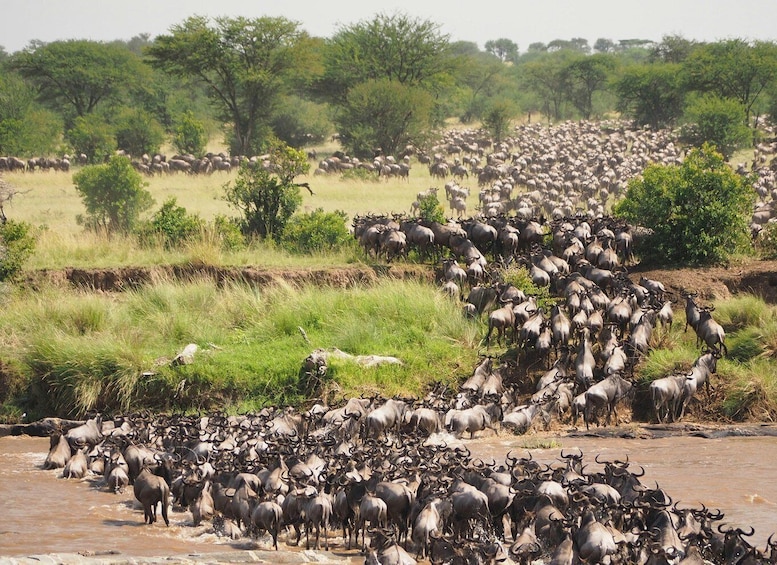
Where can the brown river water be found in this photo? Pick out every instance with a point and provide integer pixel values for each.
(41, 513)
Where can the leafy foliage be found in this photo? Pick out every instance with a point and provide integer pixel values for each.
(498, 116)
(190, 135)
(137, 132)
(651, 94)
(17, 243)
(430, 209)
(93, 137)
(76, 76)
(300, 122)
(395, 47)
(699, 211)
(25, 128)
(246, 64)
(316, 231)
(383, 115)
(113, 194)
(268, 197)
(171, 225)
(717, 121)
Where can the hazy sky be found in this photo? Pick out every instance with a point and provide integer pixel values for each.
(524, 22)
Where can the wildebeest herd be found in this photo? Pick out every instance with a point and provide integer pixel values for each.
(394, 477)
(381, 477)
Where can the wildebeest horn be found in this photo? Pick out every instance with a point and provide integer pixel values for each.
(742, 532)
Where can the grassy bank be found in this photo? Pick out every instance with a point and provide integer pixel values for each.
(745, 387)
(67, 352)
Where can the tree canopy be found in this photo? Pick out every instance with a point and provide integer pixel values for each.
(79, 74)
(246, 64)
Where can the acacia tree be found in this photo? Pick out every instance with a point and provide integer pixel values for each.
(699, 211)
(245, 64)
(406, 55)
(79, 75)
(505, 49)
(585, 76)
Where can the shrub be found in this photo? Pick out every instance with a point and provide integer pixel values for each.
(717, 121)
(699, 211)
(228, 233)
(171, 225)
(267, 198)
(16, 245)
(430, 209)
(316, 231)
(114, 195)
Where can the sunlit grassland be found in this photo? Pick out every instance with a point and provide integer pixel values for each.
(50, 202)
(73, 351)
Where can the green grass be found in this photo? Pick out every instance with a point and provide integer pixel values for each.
(79, 351)
(746, 380)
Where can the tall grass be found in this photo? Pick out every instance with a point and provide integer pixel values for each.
(81, 351)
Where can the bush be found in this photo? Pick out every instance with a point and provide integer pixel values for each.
(268, 198)
(190, 135)
(430, 209)
(113, 194)
(137, 132)
(93, 137)
(316, 232)
(171, 226)
(228, 233)
(16, 245)
(300, 122)
(699, 211)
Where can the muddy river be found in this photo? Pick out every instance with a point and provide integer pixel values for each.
(41, 513)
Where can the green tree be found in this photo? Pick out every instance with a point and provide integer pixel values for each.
(93, 137)
(584, 77)
(396, 47)
(25, 127)
(137, 132)
(383, 114)
(498, 117)
(317, 232)
(113, 194)
(190, 135)
(651, 94)
(672, 49)
(717, 121)
(299, 122)
(74, 77)
(245, 64)
(733, 69)
(547, 77)
(268, 197)
(506, 50)
(699, 211)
